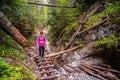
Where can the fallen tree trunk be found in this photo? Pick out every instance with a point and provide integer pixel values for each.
(100, 23)
(62, 52)
(75, 68)
(102, 68)
(105, 75)
(49, 5)
(83, 19)
(89, 72)
(68, 69)
(14, 33)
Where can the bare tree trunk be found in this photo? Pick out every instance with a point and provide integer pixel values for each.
(49, 5)
(83, 19)
(105, 75)
(62, 52)
(102, 68)
(9, 27)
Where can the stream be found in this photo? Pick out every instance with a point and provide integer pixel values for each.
(76, 58)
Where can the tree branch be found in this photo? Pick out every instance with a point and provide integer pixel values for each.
(50, 5)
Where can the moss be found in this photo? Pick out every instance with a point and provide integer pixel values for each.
(69, 31)
(9, 72)
(115, 18)
(26, 73)
(78, 43)
(111, 9)
(9, 47)
(11, 52)
(108, 42)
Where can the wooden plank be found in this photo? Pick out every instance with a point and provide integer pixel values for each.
(62, 52)
(48, 71)
(49, 77)
(43, 75)
(43, 63)
(46, 66)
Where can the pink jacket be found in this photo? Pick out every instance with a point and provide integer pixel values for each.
(41, 41)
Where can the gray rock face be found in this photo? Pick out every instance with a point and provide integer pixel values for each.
(97, 33)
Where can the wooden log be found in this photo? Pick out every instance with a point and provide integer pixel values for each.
(75, 68)
(73, 37)
(43, 67)
(43, 63)
(70, 70)
(62, 52)
(104, 65)
(106, 69)
(42, 70)
(83, 19)
(89, 72)
(50, 5)
(101, 73)
(73, 2)
(48, 71)
(14, 33)
(49, 77)
(102, 22)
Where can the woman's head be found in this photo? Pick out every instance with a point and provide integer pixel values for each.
(41, 32)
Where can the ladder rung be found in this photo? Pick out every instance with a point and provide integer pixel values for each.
(42, 63)
(49, 77)
(50, 66)
(48, 71)
(36, 57)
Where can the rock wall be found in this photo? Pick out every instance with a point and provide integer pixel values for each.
(96, 33)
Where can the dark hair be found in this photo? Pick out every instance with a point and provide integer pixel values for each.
(41, 32)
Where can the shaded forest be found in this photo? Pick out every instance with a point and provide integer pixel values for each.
(68, 23)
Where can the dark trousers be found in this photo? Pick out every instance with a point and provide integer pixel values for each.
(41, 51)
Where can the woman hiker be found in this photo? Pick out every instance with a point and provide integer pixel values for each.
(41, 42)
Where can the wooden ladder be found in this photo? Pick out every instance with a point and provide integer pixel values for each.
(47, 68)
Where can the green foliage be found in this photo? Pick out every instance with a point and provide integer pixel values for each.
(115, 20)
(108, 42)
(9, 47)
(26, 74)
(69, 30)
(111, 9)
(12, 8)
(10, 52)
(78, 43)
(62, 21)
(8, 72)
(24, 16)
(7, 41)
(94, 20)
